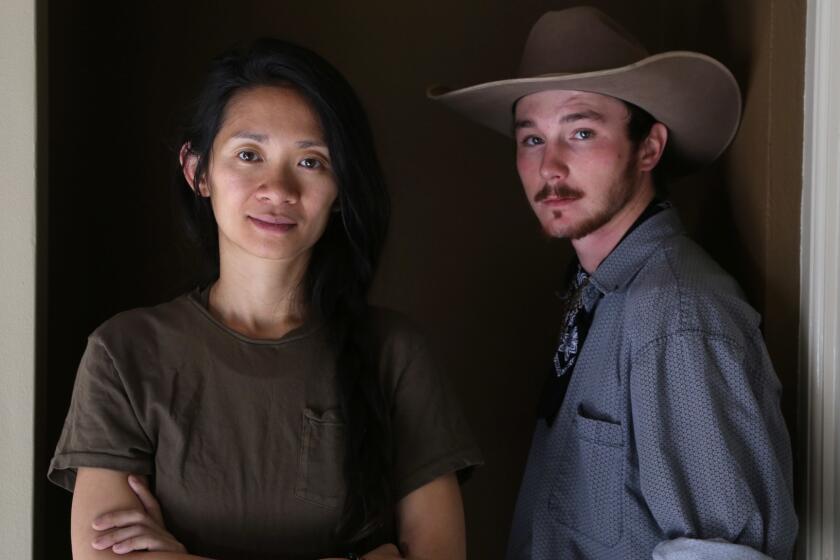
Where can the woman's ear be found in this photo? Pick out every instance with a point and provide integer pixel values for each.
(189, 162)
(653, 147)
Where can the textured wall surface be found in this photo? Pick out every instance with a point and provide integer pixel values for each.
(465, 256)
(17, 274)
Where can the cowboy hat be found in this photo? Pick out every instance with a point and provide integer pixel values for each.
(694, 95)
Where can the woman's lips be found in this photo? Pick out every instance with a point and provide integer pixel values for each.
(277, 224)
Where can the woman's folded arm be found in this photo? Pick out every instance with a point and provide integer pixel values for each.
(104, 496)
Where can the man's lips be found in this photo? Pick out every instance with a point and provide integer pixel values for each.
(557, 195)
(555, 201)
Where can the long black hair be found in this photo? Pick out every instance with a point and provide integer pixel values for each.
(343, 261)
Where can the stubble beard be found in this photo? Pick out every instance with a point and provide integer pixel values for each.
(623, 189)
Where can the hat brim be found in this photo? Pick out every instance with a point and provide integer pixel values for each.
(694, 95)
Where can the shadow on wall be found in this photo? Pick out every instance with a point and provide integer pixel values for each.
(465, 257)
(710, 201)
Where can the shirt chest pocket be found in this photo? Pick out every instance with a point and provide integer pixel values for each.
(320, 478)
(587, 494)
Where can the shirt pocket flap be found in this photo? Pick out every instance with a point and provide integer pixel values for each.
(602, 432)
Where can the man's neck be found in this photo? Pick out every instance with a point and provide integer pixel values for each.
(593, 249)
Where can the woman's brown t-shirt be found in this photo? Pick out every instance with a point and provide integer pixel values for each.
(243, 438)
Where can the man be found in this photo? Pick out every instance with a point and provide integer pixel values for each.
(660, 432)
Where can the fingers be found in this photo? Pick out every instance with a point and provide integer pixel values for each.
(116, 536)
(148, 542)
(136, 537)
(146, 498)
(121, 518)
(132, 544)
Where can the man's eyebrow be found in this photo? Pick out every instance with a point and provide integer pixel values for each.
(525, 123)
(568, 118)
(582, 115)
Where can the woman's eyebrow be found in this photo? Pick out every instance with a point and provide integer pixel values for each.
(263, 138)
(256, 137)
(310, 144)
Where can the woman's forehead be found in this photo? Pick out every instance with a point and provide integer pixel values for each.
(267, 111)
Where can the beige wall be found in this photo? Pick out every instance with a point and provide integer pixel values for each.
(17, 275)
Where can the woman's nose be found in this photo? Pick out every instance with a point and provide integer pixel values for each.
(280, 187)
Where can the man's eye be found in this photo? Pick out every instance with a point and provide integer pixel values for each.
(248, 155)
(532, 141)
(583, 134)
(311, 163)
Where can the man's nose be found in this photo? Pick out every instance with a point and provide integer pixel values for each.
(554, 165)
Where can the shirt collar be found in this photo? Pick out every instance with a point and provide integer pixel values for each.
(628, 257)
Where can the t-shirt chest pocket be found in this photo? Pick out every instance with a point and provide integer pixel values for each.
(320, 477)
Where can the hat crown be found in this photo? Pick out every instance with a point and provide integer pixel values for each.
(582, 49)
(577, 40)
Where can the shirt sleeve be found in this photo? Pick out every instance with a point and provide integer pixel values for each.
(713, 451)
(101, 429)
(695, 549)
(431, 435)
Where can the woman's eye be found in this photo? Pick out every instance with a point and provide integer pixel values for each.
(248, 155)
(583, 134)
(311, 163)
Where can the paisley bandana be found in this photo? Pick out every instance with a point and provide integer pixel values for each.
(580, 302)
(572, 336)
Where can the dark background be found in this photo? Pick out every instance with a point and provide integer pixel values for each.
(465, 256)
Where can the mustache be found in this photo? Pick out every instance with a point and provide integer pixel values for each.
(556, 191)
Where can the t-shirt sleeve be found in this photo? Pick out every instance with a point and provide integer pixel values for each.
(432, 437)
(102, 429)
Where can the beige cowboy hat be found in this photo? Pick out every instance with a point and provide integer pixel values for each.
(581, 48)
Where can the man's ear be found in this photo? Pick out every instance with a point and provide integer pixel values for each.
(189, 162)
(652, 147)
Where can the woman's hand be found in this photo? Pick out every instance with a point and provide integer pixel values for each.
(129, 530)
(384, 552)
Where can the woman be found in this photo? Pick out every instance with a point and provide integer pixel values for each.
(274, 413)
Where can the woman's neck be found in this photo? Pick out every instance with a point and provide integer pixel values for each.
(259, 298)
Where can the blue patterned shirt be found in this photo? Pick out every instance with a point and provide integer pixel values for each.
(670, 426)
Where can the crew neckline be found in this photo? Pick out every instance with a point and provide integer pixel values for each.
(199, 298)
